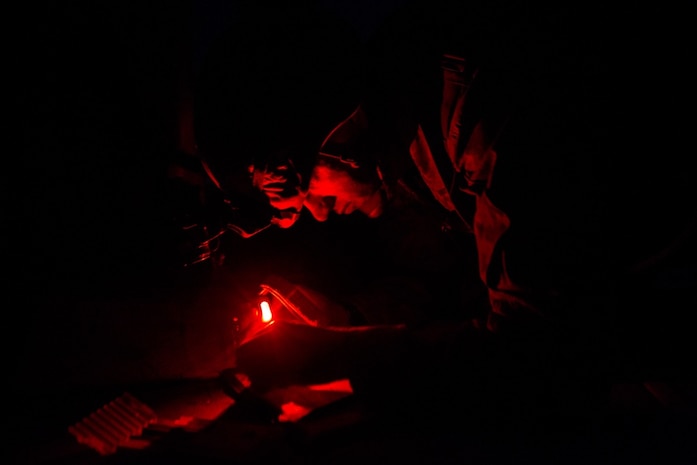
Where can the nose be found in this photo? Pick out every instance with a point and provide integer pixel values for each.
(319, 206)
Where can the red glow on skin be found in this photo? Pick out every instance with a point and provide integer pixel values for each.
(266, 314)
(332, 189)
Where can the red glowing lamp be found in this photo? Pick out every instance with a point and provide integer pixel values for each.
(266, 314)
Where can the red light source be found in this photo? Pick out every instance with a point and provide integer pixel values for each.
(266, 314)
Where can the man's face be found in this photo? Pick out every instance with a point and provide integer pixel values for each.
(338, 183)
(281, 184)
(342, 189)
